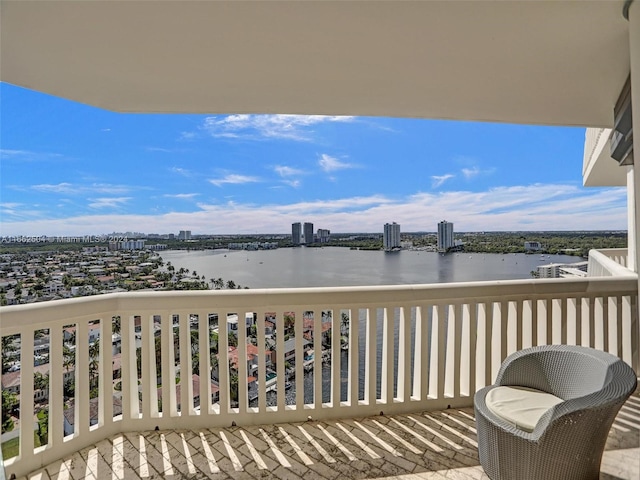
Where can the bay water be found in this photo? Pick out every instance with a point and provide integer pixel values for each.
(335, 266)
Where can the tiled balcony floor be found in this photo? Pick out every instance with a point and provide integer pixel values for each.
(432, 445)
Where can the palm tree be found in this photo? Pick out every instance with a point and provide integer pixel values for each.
(115, 327)
(7, 348)
(94, 363)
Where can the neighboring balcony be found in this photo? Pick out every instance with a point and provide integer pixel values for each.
(399, 351)
(610, 262)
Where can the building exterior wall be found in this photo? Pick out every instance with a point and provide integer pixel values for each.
(308, 232)
(324, 235)
(391, 236)
(445, 236)
(296, 233)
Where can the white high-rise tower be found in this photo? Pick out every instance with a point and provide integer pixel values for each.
(391, 237)
(445, 236)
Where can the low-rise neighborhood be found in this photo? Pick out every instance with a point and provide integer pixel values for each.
(40, 276)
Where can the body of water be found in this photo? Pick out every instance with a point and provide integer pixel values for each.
(335, 266)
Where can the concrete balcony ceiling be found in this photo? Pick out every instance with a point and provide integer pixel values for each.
(560, 63)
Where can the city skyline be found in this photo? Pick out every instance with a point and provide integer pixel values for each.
(70, 169)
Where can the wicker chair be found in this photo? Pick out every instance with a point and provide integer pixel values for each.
(568, 440)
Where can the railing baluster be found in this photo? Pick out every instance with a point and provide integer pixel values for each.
(105, 380)
(56, 385)
(129, 376)
(488, 343)
(634, 347)
(404, 354)
(354, 354)
(534, 322)
(604, 324)
(280, 367)
(562, 303)
(243, 394)
(370, 357)
(592, 322)
(335, 356)
(317, 358)
(578, 320)
(440, 352)
(519, 305)
(473, 342)
(81, 394)
(503, 331)
(298, 329)
(465, 348)
(618, 325)
(186, 365)
(262, 361)
(26, 393)
(148, 380)
(169, 401)
(223, 364)
(455, 310)
(204, 358)
(599, 317)
(387, 379)
(420, 354)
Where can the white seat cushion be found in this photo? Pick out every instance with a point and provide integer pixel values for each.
(520, 406)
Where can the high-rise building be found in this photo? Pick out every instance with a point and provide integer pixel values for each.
(323, 235)
(391, 237)
(184, 235)
(296, 233)
(445, 236)
(308, 232)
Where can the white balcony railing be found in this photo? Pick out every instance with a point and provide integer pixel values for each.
(611, 262)
(410, 348)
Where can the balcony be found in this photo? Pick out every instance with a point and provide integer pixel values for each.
(610, 262)
(415, 353)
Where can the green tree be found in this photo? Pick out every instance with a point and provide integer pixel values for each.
(43, 426)
(9, 403)
(7, 349)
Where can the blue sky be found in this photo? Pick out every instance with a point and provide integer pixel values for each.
(72, 169)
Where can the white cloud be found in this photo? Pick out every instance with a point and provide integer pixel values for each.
(331, 164)
(256, 127)
(438, 180)
(69, 188)
(180, 171)
(182, 196)
(285, 171)
(233, 179)
(27, 155)
(470, 172)
(528, 207)
(58, 188)
(110, 202)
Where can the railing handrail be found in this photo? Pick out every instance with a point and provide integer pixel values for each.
(355, 297)
(609, 262)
